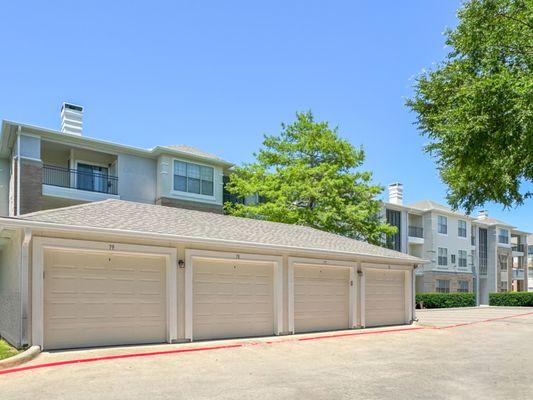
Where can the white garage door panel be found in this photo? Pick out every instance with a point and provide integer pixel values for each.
(384, 297)
(232, 299)
(96, 299)
(321, 298)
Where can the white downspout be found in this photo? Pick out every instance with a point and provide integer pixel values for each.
(24, 282)
(18, 172)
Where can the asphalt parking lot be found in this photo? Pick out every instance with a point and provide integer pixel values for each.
(452, 354)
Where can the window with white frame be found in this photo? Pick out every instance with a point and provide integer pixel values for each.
(442, 224)
(462, 256)
(442, 256)
(502, 261)
(462, 286)
(442, 286)
(461, 228)
(503, 236)
(193, 178)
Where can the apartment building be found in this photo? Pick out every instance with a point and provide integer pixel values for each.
(465, 254)
(530, 262)
(44, 169)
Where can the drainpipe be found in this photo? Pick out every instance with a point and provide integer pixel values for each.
(24, 281)
(18, 171)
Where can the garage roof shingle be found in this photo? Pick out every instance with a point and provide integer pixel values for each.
(140, 217)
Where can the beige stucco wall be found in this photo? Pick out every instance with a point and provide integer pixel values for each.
(10, 306)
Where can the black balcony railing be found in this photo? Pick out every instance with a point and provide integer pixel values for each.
(416, 231)
(82, 180)
(518, 247)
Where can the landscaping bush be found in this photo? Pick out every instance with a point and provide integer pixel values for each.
(511, 299)
(445, 300)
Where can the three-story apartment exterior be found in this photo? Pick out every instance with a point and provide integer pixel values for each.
(464, 254)
(43, 169)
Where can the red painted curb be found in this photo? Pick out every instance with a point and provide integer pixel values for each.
(244, 344)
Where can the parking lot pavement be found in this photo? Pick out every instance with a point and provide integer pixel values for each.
(447, 317)
(477, 361)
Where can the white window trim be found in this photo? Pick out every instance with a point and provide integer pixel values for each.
(448, 261)
(40, 244)
(313, 262)
(447, 225)
(466, 229)
(192, 254)
(179, 193)
(459, 258)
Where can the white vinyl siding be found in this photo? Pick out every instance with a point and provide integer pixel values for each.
(442, 256)
(461, 228)
(193, 178)
(442, 225)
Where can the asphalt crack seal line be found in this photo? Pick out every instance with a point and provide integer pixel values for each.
(244, 344)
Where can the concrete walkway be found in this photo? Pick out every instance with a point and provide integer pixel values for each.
(447, 317)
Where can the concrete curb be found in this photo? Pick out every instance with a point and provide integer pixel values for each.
(21, 358)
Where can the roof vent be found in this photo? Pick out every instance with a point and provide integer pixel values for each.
(396, 193)
(71, 119)
(483, 214)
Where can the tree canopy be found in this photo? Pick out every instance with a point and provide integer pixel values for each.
(308, 175)
(476, 107)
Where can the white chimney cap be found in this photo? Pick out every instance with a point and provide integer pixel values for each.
(483, 214)
(71, 118)
(396, 193)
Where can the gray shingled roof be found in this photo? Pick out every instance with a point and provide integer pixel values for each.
(194, 151)
(139, 217)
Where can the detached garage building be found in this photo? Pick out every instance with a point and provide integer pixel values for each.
(116, 272)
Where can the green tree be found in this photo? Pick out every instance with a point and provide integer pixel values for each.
(307, 176)
(476, 107)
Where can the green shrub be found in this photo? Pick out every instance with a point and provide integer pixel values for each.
(445, 300)
(511, 299)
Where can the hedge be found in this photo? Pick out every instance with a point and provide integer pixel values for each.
(511, 299)
(445, 300)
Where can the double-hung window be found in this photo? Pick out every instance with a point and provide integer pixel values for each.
(442, 224)
(461, 228)
(462, 287)
(462, 258)
(193, 178)
(503, 236)
(442, 286)
(442, 256)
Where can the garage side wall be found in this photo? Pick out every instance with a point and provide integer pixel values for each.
(10, 293)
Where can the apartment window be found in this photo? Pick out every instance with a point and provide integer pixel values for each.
(462, 258)
(442, 286)
(442, 256)
(462, 286)
(193, 178)
(502, 261)
(461, 228)
(503, 236)
(442, 224)
(394, 219)
(483, 251)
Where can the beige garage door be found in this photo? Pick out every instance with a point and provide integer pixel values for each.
(321, 298)
(232, 299)
(384, 297)
(98, 299)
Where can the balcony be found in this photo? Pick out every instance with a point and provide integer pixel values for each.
(78, 184)
(518, 250)
(503, 239)
(518, 274)
(415, 234)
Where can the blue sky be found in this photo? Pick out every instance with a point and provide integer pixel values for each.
(217, 75)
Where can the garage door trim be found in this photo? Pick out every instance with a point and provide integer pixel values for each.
(313, 262)
(194, 254)
(408, 288)
(40, 244)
